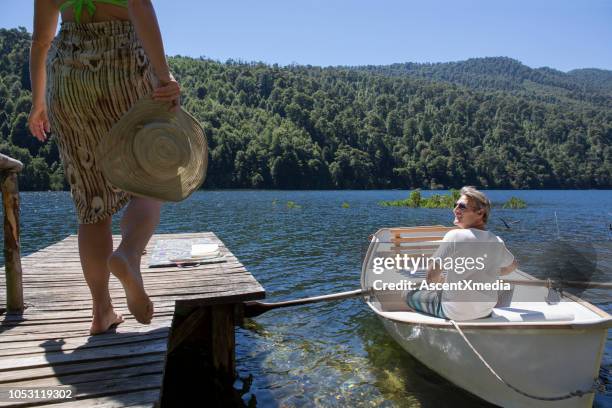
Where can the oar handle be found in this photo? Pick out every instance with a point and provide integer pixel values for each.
(255, 308)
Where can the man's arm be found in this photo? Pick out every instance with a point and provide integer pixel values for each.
(46, 16)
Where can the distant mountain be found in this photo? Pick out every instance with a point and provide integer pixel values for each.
(509, 75)
(593, 78)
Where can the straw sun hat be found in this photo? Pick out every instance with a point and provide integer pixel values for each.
(152, 152)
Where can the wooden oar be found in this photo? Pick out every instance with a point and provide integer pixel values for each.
(559, 283)
(255, 308)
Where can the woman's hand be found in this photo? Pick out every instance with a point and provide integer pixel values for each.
(169, 90)
(38, 122)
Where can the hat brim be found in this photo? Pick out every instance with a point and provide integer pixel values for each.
(120, 166)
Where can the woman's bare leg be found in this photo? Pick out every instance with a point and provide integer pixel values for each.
(95, 246)
(137, 226)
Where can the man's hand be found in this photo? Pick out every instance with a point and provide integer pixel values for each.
(434, 275)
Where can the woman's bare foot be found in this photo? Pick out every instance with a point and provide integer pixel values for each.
(104, 321)
(128, 272)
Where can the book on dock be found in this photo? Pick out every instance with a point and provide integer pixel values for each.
(185, 252)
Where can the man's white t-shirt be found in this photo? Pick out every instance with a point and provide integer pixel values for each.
(472, 243)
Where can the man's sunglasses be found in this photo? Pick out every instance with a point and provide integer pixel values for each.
(461, 206)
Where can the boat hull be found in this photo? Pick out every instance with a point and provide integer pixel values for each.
(544, 362)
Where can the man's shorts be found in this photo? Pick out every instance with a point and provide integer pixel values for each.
(426, 301)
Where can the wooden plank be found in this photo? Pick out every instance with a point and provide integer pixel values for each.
(204, 283)
(181, 276)
(401, 249)
(73, 255)
(81, 342)
(70, 344)
(94, 354)
(77, 368)
(82, 339)
(186, 292)
(64, 270)
(153, 288)
(129, 399)
(52, 335)
(242, 284)
(408, 230)
(155, 367)
(417, 239)
(34, 315)
(73, 327)
(115, 387)
(83, 307)
(219, 295)
(73, 265)
(228, 297)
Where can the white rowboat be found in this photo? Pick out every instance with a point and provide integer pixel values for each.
(541, 349)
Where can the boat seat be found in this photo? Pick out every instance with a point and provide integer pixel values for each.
(517, 314)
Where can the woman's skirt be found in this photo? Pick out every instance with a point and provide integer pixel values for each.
(95, 73)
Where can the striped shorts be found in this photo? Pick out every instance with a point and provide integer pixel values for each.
(426, 301)
(95, 73)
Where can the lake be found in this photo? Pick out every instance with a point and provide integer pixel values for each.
(338, 354)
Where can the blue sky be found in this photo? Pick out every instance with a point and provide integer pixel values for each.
(559, 34)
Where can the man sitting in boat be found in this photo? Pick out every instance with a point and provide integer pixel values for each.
(470, 240)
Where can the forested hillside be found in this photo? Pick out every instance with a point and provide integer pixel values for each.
(310, 127)
(505, 74)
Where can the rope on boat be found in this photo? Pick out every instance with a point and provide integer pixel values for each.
(578, 393)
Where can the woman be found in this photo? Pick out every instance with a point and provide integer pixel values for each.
(107, 55)
(478, 256)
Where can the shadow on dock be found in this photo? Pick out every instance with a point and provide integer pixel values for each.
(10, 320)
(90, 372)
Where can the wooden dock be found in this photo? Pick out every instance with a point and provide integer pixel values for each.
(49, 344)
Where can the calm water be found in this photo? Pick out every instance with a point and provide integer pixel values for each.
(337, 354)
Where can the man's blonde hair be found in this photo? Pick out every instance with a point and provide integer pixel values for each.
(478, 200)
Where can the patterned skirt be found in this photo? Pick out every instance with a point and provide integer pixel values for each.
(95, 73)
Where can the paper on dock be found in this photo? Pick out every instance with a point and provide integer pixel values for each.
(172, 252)
(204, 250)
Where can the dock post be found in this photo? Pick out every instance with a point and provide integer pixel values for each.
(202, 355)
(9, 168)
(223, 341)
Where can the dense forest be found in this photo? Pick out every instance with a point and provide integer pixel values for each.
(490, 122)
(505, 74)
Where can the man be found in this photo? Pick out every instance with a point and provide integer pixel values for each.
(476, 255)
